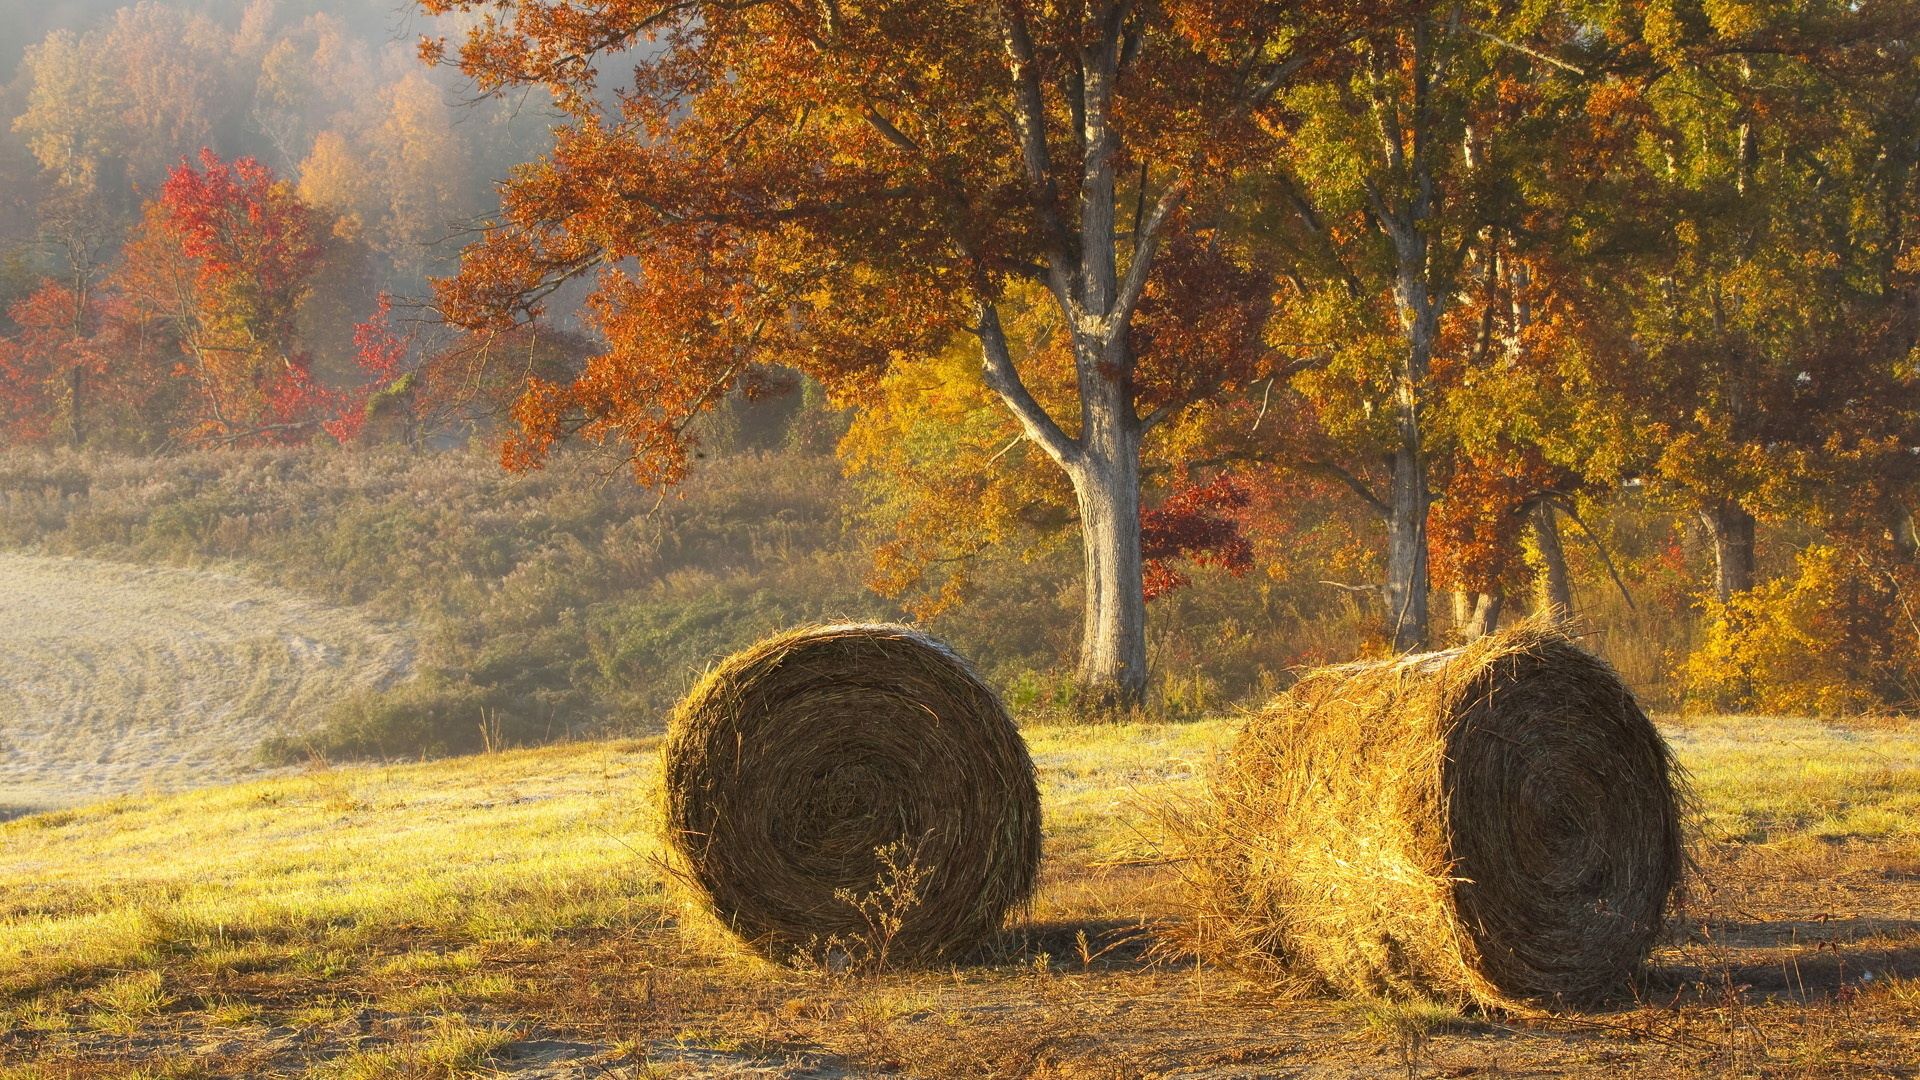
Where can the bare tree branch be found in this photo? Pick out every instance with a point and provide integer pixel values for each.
(1003, 378)
(1354, 483)
(1566, 507)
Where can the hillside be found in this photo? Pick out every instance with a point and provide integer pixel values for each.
(569, 601)
(117, 678)
(504, 914)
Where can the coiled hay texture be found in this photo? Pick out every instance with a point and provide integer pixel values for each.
(1496, 824)
(794, 763)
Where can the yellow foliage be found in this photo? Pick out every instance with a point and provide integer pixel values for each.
(1660, 27)
(945, 474)
(1794, 645)
(334, 179)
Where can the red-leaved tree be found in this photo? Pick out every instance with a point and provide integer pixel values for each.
(80, 368)
(223, 258)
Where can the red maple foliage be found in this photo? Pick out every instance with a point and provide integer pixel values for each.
(1196, 524)
(79, 368)
(224, 258)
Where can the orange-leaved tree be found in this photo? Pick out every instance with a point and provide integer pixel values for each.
(78, 369)
(845, 188)
(1420, 174)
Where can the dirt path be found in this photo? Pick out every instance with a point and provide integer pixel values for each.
(118, 678)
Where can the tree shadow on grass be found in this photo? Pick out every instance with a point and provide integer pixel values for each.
(1807, 959)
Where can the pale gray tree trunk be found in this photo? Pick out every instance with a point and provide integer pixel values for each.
(1106, 482)
(1409, 497)
(1477, 614)
(1406, 221)
(1484, 615)
(1406, 591)
(1096, 294)
(1730, 527)
(1555, 583)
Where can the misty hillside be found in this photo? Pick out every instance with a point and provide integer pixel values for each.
(100, 100)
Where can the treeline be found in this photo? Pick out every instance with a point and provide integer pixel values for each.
(1449, 314)
(204, 198)
(1454, 276)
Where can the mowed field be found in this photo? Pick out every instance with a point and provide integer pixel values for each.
(506, 915)
(117, 678)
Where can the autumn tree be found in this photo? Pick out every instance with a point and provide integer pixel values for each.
(412, 387)
(71, 120)
(170, 66)
(223, 258)
(1761, 326)
(949, 483)
(842, 189)
(116, 106)
(47, 370)
(312, 75)
(82, 368)
(1415, 183)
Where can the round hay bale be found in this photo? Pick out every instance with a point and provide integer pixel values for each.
(1497, 824)
(852, 791)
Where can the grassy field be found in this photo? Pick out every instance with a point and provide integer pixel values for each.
(504, 914)
(569, 603)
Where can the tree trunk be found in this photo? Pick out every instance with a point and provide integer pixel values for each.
(1406, 588)
(76, 404)
(1106, 482)
(1419, 302)
(1731, 528)
(1555, 584)
(1113, 643)
(1484, 617)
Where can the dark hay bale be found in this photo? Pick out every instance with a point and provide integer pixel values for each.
(794, 763)
(1497, 824)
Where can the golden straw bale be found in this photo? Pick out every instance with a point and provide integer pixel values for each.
(798, 768)
(1498, 823)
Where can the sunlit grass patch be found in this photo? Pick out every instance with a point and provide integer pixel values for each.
(521, 889)
(275, 874)
(222, 1011)
(451, 1047)
(1763, 779)
(1098, 780)
(121, 1003)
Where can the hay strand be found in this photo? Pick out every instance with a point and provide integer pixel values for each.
(854, 788)
(1497, 824)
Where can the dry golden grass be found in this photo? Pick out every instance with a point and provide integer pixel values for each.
(502, 914)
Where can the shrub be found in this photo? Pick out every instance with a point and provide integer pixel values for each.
(1821, 640)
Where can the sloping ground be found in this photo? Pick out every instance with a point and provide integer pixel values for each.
(506, 914)
(118, 678)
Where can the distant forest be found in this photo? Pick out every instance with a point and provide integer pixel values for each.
(100, 99)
